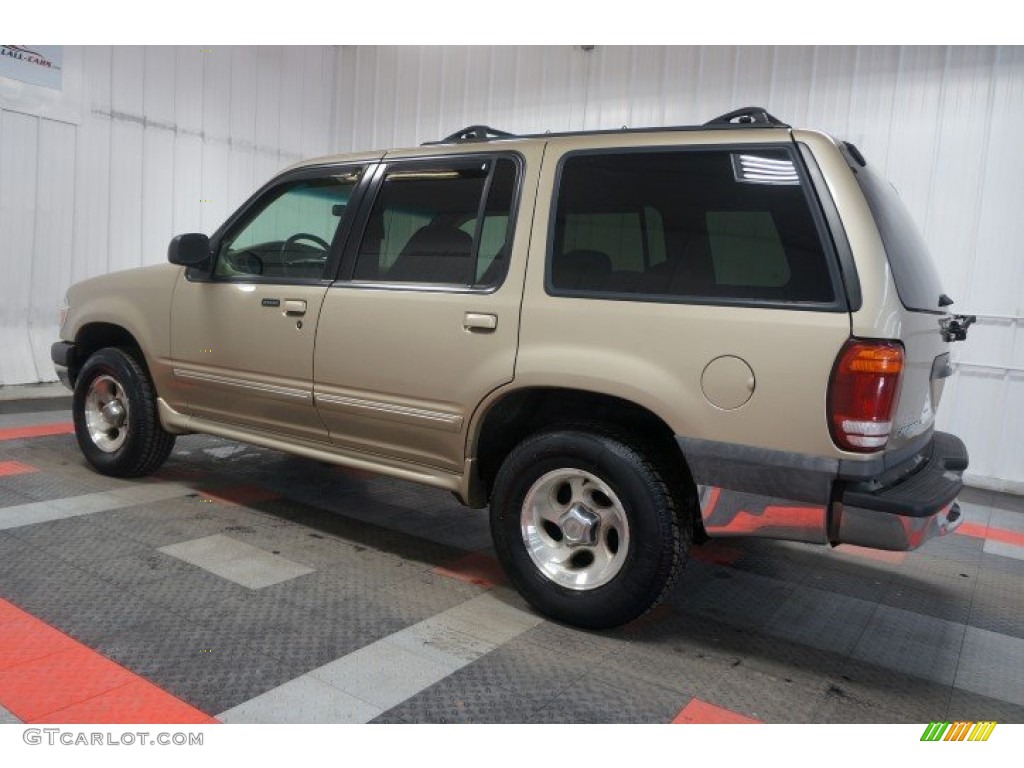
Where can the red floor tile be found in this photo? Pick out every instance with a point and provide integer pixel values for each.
(138, 701)
(38, 430)
(42, 686)
(11, 468)
(991, 534)
(23, 640)
(47, 676)
(700, 712)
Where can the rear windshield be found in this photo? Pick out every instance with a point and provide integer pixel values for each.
(917, 280)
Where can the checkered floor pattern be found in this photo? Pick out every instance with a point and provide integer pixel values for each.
(250, 586)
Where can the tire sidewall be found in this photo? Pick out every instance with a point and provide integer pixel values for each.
(649, 513)
(114, 363)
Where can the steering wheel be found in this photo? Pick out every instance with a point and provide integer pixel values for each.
(303, 236)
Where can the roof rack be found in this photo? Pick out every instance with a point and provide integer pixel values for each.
(747, 117)
(474, 133)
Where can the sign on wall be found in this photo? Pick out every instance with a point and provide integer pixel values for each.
(35, 64)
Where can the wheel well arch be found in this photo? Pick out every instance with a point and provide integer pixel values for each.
(94, 336)
(522, 412)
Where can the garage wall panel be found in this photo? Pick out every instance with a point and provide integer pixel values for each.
(167, 140)
(53, 230)
(19, 137)
(942, 123)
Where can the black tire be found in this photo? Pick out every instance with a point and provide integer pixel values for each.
(657, 538)
(144, 444)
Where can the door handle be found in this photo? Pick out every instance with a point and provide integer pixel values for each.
(479, 321)
(294, 307)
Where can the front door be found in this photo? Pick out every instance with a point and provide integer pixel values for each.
(424, 322)
(242, 332)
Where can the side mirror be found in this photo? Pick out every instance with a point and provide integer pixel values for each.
(189, 250)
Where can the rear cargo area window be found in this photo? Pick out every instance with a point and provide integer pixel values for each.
(700, 224)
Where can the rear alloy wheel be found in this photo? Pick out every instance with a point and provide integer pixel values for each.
(586, 528)
(115, 415)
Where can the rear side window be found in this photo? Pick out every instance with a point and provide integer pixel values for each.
(700, 225)
(917, 280)
(442, 224)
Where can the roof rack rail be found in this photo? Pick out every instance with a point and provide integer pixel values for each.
(748, 116)
(473, 133)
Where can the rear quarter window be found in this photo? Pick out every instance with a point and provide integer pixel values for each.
(704, 225)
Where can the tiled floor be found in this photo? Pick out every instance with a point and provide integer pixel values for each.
(259, 587)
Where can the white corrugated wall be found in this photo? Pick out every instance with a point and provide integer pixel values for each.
(944, 123)
(165, 140)
(172, 139)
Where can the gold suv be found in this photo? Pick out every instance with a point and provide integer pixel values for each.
(623, 342)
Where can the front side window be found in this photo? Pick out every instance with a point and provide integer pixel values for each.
(701, 224)
(440, 224)
(289, 234)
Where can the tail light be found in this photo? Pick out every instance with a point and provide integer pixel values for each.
(862, 394)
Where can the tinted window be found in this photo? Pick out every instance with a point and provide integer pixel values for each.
(289, 233)
(444, 225)
(917, 280)
(704, 224)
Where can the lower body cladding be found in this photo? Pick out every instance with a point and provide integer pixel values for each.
(899, 508)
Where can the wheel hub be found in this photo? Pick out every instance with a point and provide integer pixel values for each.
(107, 413)
(114, 413)
(575, 529)
(580, 526)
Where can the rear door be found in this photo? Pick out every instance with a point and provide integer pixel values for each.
(424, 321)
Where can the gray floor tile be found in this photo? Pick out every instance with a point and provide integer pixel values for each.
(184, 593)
(993, 665)
(162, 641)
(220, 682)
(972, 707)
(385, 673)
(912, 644)
(1004, 549)
(998, 603)
(896, 697)
(303, 700)
(821, 620)
(739, 599)
(6, 718)
(600, 699)
(931, 595)
(138, 568)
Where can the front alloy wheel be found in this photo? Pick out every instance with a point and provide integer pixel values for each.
(107, 414)
(115, 414)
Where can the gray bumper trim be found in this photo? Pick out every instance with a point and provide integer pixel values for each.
(787, 475)
(762, 471)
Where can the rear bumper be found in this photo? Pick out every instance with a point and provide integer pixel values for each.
(896, 501)
(901, 514)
